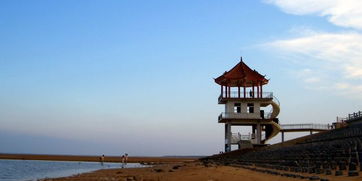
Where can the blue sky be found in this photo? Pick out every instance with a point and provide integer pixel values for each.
(107, 77)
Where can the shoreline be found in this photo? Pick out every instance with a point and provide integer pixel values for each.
(84, 158)
(41, 169)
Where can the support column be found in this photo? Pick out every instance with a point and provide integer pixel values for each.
(253, 92)
(227, 137)
(238, 91)
(226, 91)
(282, 136)
(311, 132)
(261, 90)
(244, 91)
(257, 91)
(229, 91)
(258, 133)
(222, 91)
(253, 130)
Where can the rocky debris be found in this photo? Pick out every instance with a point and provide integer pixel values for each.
(158, 170)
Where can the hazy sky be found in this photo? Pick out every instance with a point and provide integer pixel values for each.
(108, 77)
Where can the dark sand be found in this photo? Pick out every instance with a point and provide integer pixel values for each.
(193, 171)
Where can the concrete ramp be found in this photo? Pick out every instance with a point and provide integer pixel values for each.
(271, 130)
(276, 109)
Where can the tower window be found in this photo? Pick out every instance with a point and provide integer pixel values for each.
(237, 108)
(250, 107)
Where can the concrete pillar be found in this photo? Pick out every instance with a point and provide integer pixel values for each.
(258, 133)
(261, 90)
(227, 137)
(282, 136)
(253, 92)
(253, 129)
(226, 91)
(244, 91)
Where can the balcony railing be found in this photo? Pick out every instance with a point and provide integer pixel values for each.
(351, 116)
(355, 115)
(233, 115)
(248, 95)
(305, 126)
(236, 137)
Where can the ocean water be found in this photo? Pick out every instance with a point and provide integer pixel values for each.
(14, 170)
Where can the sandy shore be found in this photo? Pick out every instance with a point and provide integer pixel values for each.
(150, 160)
(194, 171)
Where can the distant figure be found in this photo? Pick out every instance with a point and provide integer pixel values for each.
(126, 158)
(102, 159)
(122, 159)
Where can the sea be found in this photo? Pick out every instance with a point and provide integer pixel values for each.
(29, 170)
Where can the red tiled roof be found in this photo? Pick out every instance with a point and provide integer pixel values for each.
(241, 75)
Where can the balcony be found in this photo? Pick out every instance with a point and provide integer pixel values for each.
(226, 116)
(240, 95)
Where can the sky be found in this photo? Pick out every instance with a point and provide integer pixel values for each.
(109, 77)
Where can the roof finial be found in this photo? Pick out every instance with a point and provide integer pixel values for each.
(241, 59)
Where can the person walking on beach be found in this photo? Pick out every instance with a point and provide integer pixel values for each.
(126, 158)
(122, 159)
(102, 159)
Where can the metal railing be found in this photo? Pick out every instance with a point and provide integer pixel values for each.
(235, 94)
(236, 137)
(275, 99)
(305, 126)
(341, 120)
(233, 115)
(268, 115)
(351, 116)
(355, 115)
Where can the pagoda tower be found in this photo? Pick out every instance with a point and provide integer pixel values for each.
(245, 105)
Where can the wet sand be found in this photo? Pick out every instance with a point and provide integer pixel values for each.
(194, 171)
(147, 160)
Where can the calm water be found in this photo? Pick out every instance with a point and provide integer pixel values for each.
(11, 170)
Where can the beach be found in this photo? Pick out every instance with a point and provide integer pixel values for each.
(140, 159)
(194, 171)
(35, 166)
